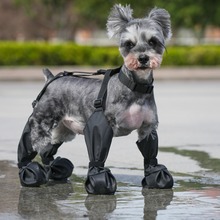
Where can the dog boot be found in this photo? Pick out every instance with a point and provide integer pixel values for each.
(98, 137)
(33, 174)
(156, 175)
(30, 173)
(60, 168)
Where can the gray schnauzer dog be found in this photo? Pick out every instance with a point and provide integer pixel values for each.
(66, 108)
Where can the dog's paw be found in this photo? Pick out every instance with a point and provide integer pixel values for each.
(100, 181)
(60, 169)
(157, 177)
(32, 175)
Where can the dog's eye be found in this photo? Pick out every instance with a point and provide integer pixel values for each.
(152, 42)
(129, 44)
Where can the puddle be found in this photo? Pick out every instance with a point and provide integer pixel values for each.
(192, 197)
(203, 158)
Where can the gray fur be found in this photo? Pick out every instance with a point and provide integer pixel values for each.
(121, 17)
(47, 74)
(118, 19)
(65, 107)
(162, 18)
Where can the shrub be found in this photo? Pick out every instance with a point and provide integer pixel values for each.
(39, 53)
(194, 55)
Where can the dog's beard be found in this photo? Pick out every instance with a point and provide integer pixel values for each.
(132, 63)
(155, 61)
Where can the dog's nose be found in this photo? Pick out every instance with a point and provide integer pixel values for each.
(143, 59)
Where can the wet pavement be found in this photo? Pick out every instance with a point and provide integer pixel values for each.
(189, 136)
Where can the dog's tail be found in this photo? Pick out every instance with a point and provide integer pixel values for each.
(47, 74)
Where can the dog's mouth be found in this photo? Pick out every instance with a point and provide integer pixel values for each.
(144, 66)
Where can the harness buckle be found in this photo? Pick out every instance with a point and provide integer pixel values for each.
(98, 103)
(100, 71)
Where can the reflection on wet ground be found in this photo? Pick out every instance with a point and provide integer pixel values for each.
(193, 197)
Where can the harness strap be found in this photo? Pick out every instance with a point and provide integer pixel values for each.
(67, 73)
(137, 87)
(44, 89)
(100, 101)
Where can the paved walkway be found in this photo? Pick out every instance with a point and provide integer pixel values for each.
(164, 73)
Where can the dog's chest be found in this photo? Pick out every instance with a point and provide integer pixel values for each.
(133, 117)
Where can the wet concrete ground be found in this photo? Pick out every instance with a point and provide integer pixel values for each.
(189, 146)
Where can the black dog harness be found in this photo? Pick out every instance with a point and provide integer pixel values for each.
(82, 74)
(131, 84)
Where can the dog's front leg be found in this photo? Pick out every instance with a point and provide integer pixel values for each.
(156, 175)
(98, 136)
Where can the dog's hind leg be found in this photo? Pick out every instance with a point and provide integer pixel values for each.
(57, 169)
(60, 168)
(25, 152)
(156, 175)
(32, 173)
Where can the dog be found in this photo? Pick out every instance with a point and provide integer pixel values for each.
(68, 102)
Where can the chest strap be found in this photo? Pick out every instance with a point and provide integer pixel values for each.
(136, 87)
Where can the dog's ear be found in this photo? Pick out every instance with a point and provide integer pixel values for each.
(118, 19)
(162, 18)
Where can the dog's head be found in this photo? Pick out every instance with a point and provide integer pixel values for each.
(141, 41)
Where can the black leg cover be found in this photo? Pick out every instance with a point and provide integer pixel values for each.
(156, 175)
(25, 151)
(98, 137)
(48, 152)
(30, 173)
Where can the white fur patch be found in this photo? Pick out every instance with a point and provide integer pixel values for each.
(155, 60)
(73, 124)
(136, 115)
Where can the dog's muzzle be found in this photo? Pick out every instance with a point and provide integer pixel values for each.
(144, 61)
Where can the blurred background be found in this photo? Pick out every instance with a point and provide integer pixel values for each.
(72, 32)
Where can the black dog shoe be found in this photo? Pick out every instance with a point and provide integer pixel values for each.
(60, 169)
(32, 175)
(100, 181)
(157, 177)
